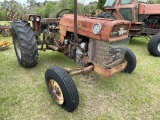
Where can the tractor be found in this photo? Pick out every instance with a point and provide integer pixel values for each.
(97, 44)
(144, 18)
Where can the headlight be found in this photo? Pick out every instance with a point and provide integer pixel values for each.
(31, 18)
(37, 18)
(96, 28)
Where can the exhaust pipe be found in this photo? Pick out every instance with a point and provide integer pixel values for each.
(75, 20)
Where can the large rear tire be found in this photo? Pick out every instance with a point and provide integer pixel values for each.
(150, 47)
(25, 43)
(154, 45)
(62, 88)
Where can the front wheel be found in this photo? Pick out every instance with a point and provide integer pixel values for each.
(130, 57)
(62, 88)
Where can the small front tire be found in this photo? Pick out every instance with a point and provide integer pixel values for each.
(62, 88)
(130, 57)
(131, 61)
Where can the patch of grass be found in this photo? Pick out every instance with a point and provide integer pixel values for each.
(4, 22)
(136, 96)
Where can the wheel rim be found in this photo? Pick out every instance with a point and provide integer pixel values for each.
(159, 47)
(17, 46)
(56, 92)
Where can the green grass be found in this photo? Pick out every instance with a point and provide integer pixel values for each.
(4, 22)
(136, 96)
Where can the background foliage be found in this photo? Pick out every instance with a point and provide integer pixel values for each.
(51, 8)
(100, 4)
(45, 9)
(153, 1)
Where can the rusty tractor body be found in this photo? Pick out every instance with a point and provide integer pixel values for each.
(98, 44)
(94, 45)
(144, 18)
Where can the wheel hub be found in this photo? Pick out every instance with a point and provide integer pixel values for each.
(56, 92)
(159, 47)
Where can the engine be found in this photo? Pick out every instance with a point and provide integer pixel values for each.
(88, 50)
(78, 51)
(106, 54)
(153, 22)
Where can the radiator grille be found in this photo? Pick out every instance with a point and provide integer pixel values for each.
(106, 54)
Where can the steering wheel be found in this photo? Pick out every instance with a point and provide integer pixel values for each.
(62, 12)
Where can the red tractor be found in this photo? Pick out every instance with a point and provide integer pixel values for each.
(98, 44)
(144, 18)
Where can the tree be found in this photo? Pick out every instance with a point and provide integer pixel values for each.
(70, 4)
(31, 4)
(44, 9)
(83, 9)
(93, 6)
(3, 14)
(62, 4)
(48, 9)
(100, 4)
(154, 1)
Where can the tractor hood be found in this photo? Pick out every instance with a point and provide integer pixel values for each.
(149, 8)
(110, 30)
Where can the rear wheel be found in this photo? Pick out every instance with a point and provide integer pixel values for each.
(25, 43)
(154, 45)
(62, 88)
(150, 47)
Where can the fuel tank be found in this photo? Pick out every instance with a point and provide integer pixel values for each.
(106, 29)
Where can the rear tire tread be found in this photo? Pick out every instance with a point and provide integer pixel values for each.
(23, 33)
(152, 45)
